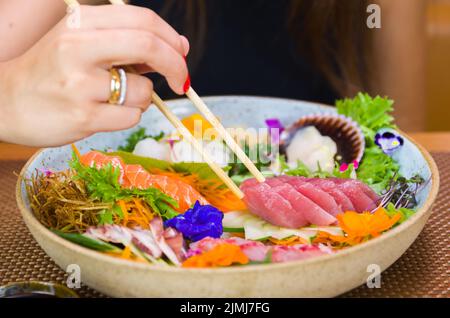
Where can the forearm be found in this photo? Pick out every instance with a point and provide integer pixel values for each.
(24, 22)
(400, 60)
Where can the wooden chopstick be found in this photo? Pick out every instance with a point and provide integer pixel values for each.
(196, 144)
(229, 140)
(183, 130)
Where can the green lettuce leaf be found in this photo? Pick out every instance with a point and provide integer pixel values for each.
(103, 184)
(149, 164)
(372, 114)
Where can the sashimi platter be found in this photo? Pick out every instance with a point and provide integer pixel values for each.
(342, 191)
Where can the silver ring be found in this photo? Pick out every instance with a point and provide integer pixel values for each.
(123, 86)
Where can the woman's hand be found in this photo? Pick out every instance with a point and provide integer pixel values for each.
(57, 92)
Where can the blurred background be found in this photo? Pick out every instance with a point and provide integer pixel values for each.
(438, 65)
(437, 84)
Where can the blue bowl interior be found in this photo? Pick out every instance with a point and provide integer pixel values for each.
(233, 111)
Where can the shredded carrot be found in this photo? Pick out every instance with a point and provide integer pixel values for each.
(126, 253)
(237, 234)
(214, 191)
(124, 210)
(292, 240)
(136, 212)
(224, 254)
(76, 151)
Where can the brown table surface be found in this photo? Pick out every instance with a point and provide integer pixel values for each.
(423, 271)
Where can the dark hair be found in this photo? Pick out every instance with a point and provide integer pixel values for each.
(330, 33)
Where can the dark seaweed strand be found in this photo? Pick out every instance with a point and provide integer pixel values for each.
(61, 203)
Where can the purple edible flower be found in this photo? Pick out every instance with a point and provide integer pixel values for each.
(46, 172)
(275, 129)
(388, 142)
(198, 222)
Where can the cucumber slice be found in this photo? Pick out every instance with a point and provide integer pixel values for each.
(88, 242)
(233, 230)
(257, 229)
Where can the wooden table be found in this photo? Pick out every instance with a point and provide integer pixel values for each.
(432, 141)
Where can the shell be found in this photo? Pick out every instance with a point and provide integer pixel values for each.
(344, 131)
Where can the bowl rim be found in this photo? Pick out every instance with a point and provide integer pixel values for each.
(435, 179)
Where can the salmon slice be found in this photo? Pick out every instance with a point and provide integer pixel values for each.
(135, 176)
(183, 193)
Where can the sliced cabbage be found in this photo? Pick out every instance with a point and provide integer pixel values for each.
(256, 228)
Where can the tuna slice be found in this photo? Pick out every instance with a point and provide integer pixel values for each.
(311, 212)
(343, 202)
(268, 204)
(359, 199)
(315, 194)
(296, 201)
(282, 205)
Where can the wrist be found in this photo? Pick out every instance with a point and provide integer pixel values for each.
(7, 120)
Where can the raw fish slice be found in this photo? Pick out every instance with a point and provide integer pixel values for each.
(361, 185)
(110, 233)
(341, 199)
(270, 206)
(323, 199)
(255, 251)
(296, 217)
(315, 194)
(296, 252)
(282, 205)
(183, 193)
(144, 241)
(249, 183)
(360, 201)
(306, 211)
(368, 191)
(175, 240)
(98, 160)
(253, 199)
(157, 230)
(134, 176)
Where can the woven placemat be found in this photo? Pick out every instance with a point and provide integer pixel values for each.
(423, 271)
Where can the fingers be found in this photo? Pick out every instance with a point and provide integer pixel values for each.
(126, 47)
(132, 17)
(138, 92)
(111, 118)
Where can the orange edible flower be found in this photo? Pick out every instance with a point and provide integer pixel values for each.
(224, 254)
(359, 227)
(199, 127)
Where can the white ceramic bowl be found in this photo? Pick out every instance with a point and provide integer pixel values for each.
(324, 276)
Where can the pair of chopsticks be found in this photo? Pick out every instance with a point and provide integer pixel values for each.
(201, 106)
